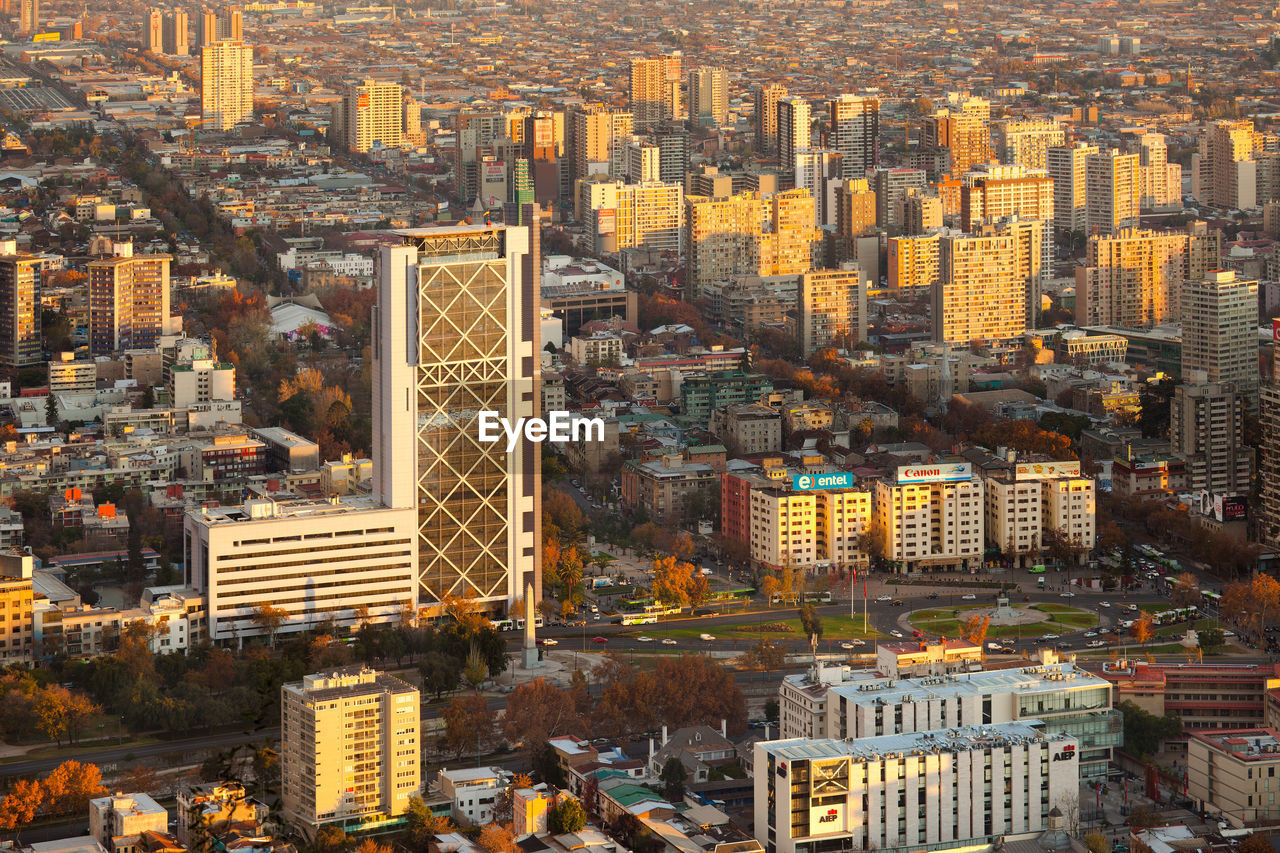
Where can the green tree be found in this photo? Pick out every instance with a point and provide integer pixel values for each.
(440, 673)
(673, 777)
(1211, 640)
(566, 816)
(1144, 732)
(771, 710)
(811, 621)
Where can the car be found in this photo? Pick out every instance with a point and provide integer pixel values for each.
(707, 637)
(1064, 645)
(847, 646)
(668, 642)
(644, 639)
(896, 633)
(858, 642)
(884, 598)
(1049, 637)
(1096, 644)
(1091, 633)
(1104, 603)
(1008, 650)
(917, 633)
(932, 595)
(968, 596)
(897, 602)
(995, 647)
(599, 639)
(576, 484)
(1066, 595)
(595, 617)
(548, 642)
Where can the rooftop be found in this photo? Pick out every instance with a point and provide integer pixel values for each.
(949, 740)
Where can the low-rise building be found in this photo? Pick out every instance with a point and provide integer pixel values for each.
(1203, 695)
(118, 821)
(473, 792)
(748, 428)
(662, 487)
(1235, 772)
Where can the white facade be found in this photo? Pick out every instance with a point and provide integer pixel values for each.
(315, 560)
(373, 113)
(809, 529)
(125, 815)
(905, 791)
(201, 381)
(931, 525)
(472, 791)
(833, 309)
(1220, 329)
(1066, 165)
(1020, 511)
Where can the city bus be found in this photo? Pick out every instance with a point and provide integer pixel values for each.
(639, 619)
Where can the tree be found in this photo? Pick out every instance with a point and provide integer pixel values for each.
(18, 808)
(673, 777)
(811, 622)
(672, 580)
(1210, 639)
(974, 627)
(1257, 843)
(423, 825)
(496, 838)
(440, 672)
(371, 846)
(475, 670)
(766, 654)
(1144, 732)
(468, 724)
(771, 710)
(1186, 590)
(546, 765)
(538, 711)
(330, 839)
(71, 785)
(50, 410)
(566, 816)
(62, 713)
(1096, 842)
(1143, 628)
(270, 618)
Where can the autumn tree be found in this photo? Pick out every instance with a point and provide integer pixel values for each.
(1186, 590)
(468, 724)
(1256, 843)
(71, 785)
(371, 846)
(766, 654)
(62, 713)
(673, 581)
(422, 825)
(1143, 628)
(974, 627)
(18, 808)
(811, 622)
(538, 711)
(496, 838)
(1096, 842)
(270, 619)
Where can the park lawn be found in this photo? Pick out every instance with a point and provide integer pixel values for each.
(1181, 628)
(1053, 607)
(1062, 619)
(833, 628)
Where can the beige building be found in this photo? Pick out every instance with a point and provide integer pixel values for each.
(1161, 180)
(855, 133)
(963, 129)
(708, 96)
(373, 113)
(128, 301)
(1220, 329)
(832, 309)
(980, 294)
(17, 630)
(913, 263)
(314, 560)
(118, 821)
(226, 84)
(818, 530)
(68, 374)
(1224, 172)
(20, 342)
(1133, 279)
(931, 523)
(663, 487)
(1236, 772)
(201, 380)
(748, 428)
(655, 90)
(766, 117)
(1066, 167)
(1027, 142)
(748, 234)
(1035, 498)
(598, 138)
(350, 751)
(1112, 189)
(794, 130)
(1206, 430)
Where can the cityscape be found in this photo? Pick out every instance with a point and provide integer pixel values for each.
(531, 426)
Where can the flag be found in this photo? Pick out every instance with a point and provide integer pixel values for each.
(864, 589)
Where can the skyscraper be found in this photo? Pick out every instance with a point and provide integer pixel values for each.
(1132, 279)
(748, 234)
(1066, 166)
(456, 334)
(991, 192)
(542, 144)
(19, 308)
(1206, 429)
(708, 96)
(1026, 143)
(672, 140)
(1160, 181)
(961, 128)
(818, 171)
(226, 84)
(766, 118)
(349, 747)
(655, 90)
(28, 16)
(155, 31)
(979, 295)
(855, 133)
(208, 27)
(1220, 329)
(1223, 169)
(832, 308)
(128, 300)
(597, 138)
(176, 37)
(372, 112)
(1112, 190)
(793, 130)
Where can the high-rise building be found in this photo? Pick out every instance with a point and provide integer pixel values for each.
(655, 90)
(373, 115)
(208, 29)
(1266, 511)
(472, 293)
(855, 209)
(991, 193)
(28, 16)
(1132, 279)
(913, 263)
(213, 28)
(1112, 190)
(793, 130)
(155, 32)
(748, 234)
(642, 162)
(1206, 430)
(980, 295)
(1220, 329)
(596, 141)
(890, 186)
(766, 118)
(235, 24)
(226, 84)
(708, 97)
(1027, 142)
(20, 342)
(1223, 169)
(963, 129)
(1066, 166)
(673, 152)
(176, 33)
(1160, 180)
(930, 522)
(621, 216)
(128, 300)
(832, 309)
(818, 171)
(855, 133)
(350, 748)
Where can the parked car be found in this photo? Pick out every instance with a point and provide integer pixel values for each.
(968, 596)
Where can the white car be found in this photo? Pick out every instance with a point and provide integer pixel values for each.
(969, 597)
(846, 646)
(550, 642)
(707, 637)
(884, 598)
(644, 639)
(668, 642)
(1091, 633)
(1095, 644)
(1104, 603)
(858, 642)
(896, 633)
(1066, 595)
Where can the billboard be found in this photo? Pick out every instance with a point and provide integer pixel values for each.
(495, 172)
(1275, 329)
(942, 472)
(813, 482)
(606, 220)
(1229, 508)
(826, 819)
(1046, 470)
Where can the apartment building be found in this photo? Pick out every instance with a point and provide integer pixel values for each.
(1235, 772)
(128, 301)
(855, 133)
(316, 561)
(813, 530)
(956, 787)
(1201, 695)
(17, 629)
(1066, 167)
(1206, 431)
(372, 115)
(748, 428)
(118, 821)
(1037, 498)
(663, 487)
(655, 90)
(1134, 278)
(913, 263)
(66, 373)
(794, 130)
(748, 234)
(708, 96)
(932, 516)
(1224, 172)
(226, 84)
(980, 294)
(20, 278)
(962, 129)
(832, 309)
(350, 751)
(1220, 329)
(1112, 191)
(766, 117)
(1027, 142)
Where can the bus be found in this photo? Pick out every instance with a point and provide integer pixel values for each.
(818, 597)
(1212, 600)
(639, 619)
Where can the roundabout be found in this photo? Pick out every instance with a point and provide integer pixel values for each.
(1004, 621)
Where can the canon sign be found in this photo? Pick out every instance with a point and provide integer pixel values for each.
(943, 472)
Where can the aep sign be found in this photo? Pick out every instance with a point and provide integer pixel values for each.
(1067, 754)
(811, 482)
(826, 819)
